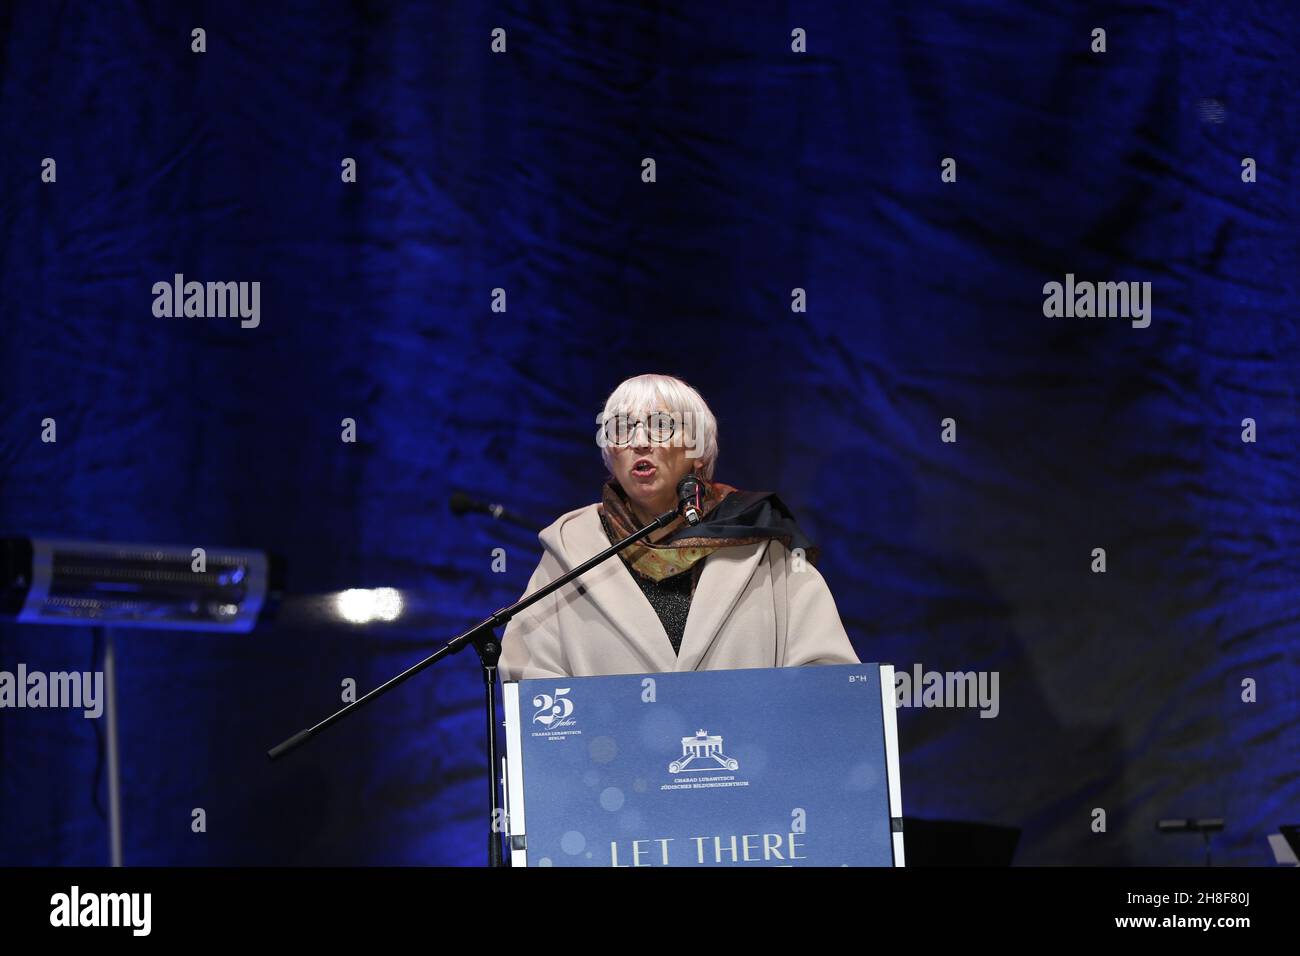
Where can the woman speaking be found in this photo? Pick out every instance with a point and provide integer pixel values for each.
(736, 590)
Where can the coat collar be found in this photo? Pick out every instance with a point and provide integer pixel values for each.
(612, 591)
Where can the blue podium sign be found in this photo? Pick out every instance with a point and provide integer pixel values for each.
(765, 767)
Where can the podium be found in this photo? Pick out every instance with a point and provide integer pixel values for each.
(793, 766)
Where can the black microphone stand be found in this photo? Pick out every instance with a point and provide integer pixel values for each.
(483, 637)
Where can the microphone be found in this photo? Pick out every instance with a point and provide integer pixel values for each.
(463, 504)
(689, 493)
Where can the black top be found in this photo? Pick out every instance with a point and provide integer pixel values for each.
(671, 597)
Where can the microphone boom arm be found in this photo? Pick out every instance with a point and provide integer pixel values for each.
(482, 635)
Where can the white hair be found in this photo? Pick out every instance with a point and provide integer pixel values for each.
(640, 395)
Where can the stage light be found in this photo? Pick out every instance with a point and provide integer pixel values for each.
(363, 605)
(90, 583)
(106, 586)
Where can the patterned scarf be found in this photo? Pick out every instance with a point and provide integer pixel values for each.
(730, 518)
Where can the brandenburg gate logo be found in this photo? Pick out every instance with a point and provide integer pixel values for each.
(702, 747)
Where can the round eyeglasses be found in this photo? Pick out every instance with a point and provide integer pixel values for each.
(621, 430)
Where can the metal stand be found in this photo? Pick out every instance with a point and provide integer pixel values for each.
(112, 749)
(483, 637)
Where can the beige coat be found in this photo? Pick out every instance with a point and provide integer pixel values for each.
(751, 608)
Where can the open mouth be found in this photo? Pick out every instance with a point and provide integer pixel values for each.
(644, 468)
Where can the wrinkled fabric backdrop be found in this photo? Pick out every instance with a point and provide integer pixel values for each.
(775, 171)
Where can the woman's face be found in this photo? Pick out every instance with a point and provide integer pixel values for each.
(649, 466)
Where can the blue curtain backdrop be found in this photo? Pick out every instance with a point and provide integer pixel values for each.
(775, 171)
